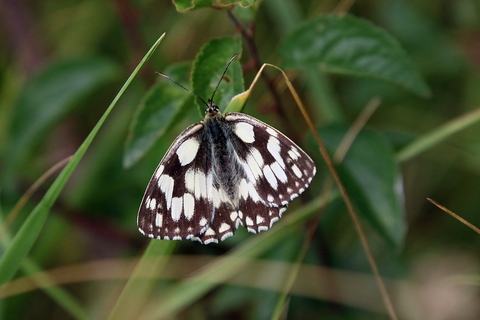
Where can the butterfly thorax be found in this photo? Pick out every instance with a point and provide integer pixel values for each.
(222, 158)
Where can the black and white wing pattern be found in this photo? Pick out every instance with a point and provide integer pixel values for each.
(220, 173)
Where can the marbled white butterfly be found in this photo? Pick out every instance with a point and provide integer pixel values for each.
(225, 171)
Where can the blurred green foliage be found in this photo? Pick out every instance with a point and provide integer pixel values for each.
(62, 64)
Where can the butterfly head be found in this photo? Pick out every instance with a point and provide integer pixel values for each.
(212, 110)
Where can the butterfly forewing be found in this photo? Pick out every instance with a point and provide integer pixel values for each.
(277, 171)
(168, 209)
(221, 173)
(280, 170)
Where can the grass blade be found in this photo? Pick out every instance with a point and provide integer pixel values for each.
(28, 233)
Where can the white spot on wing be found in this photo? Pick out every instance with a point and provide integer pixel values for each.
(190, 180)
(159, 171)
(248, 189)
(243, 190)
(176, 208)
(272, 132)
(245, 132)
(247, 169)
(166, 183)
(200, 185)
(188, 205)
(249, 221)
(208, 241)
(219, 196)
(224, 227)
(187, 151)
(210, 232)
(196, 239)
(273, 146)
(147, 202)
(279, 172)
(297, 171)
(254, 167)
(258, 156)
(239, 222)
(252, 191)
(293, 153)
(273, 221)
(270, 177)
(153, 204)
(158, 220)
(209, 186)
(226, 235)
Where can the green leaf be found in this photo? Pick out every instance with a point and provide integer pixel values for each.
(372, 179)
(208, 68)
(50, 96)
(434, 51)
(351, 46)
(157, 113)
(26, 236)
(186, 5)
(238, 102)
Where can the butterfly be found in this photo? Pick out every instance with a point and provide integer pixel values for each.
(220, 173)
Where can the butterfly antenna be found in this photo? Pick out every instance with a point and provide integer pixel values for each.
(223, 75)
(178, 84)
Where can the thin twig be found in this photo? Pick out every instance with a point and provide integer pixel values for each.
(373, 265)
(340, 153)
(456, 216)
(355, 128)
(248, 34)
(28, 194)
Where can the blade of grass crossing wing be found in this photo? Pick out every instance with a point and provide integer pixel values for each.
(28, 233)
